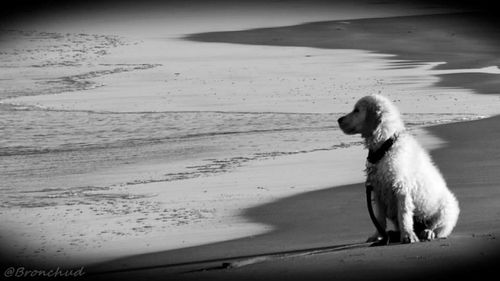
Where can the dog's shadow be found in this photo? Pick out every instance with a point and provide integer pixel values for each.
(329, 218)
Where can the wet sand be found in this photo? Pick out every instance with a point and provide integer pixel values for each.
(462, 40)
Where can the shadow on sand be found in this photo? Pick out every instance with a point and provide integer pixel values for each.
(318, 220)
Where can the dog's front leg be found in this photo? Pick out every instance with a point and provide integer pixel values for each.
(405, 218)
(380, 215)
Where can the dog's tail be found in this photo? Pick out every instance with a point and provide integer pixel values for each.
(448, 216)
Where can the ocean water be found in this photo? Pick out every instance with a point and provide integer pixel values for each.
(48, 151)
(44, 144)
(43, 151)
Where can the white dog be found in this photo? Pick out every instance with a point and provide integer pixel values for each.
(409, 189)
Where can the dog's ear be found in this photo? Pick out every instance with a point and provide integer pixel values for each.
(373, 118)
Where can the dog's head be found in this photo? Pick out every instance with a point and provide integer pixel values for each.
(373, 116)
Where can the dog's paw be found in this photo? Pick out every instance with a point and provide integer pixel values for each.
(427, 235)
(374, 238)
(409, 237)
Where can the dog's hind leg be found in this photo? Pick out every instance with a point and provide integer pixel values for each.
(426, 235)
(446, 218)
(424, 229)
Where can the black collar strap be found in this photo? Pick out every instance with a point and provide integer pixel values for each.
(375, 156)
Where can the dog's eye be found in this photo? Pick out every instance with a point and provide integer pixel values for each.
(356, 110)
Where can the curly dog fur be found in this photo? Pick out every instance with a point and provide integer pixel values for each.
(408, 190)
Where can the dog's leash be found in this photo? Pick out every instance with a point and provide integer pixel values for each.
(375, 156)
(387, 237)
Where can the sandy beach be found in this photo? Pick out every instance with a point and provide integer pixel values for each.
(337, 215)
(150, 155)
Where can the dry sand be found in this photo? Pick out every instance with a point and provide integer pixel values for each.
(337, 216)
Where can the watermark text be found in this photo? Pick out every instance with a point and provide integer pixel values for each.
(18, 272)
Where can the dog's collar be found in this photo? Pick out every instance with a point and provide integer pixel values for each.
(376, 155)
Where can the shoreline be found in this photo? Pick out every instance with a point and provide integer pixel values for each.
(454, 37)
(303, 220)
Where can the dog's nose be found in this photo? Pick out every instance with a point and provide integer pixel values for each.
(341, 119)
